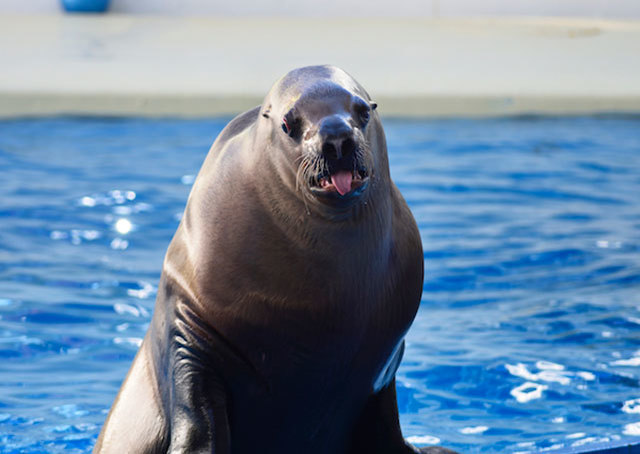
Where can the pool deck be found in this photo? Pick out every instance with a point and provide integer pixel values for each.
(202, 66)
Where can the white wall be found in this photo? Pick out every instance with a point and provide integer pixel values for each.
(623, 9)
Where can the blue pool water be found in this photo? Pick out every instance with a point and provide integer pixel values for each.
(528, 336)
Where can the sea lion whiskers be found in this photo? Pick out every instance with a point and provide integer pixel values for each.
(300, 175)
(363, 154)
(309, 170)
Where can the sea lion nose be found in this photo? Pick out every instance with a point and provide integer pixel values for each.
(337, 137)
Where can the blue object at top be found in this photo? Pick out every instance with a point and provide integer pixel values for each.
(85, 6)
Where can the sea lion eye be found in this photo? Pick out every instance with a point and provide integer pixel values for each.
(285, 126)
(291, 125)
(363, 112)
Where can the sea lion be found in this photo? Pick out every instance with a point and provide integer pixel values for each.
(286, 291)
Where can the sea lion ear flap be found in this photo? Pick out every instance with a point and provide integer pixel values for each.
(373, 105)
(267, 111)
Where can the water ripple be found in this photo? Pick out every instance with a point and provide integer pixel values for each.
(527, 336)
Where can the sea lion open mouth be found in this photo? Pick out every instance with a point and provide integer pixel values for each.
(342, 182)
(339, 176)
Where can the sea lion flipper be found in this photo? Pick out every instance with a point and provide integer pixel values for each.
(378, 428)
(197, 410)
(198, 414)
(136, 423)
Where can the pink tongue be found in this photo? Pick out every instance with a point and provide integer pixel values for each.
(342, 181)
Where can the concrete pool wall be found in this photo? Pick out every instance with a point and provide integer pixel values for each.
(201, 66)
(618, 9)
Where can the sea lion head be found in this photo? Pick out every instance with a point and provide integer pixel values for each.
(325, 128)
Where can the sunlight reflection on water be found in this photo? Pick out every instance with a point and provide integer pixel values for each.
(527, 338)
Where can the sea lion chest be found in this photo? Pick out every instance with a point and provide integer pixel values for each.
(296, 305)
(315, 318)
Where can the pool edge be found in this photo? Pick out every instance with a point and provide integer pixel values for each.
(14, 104)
